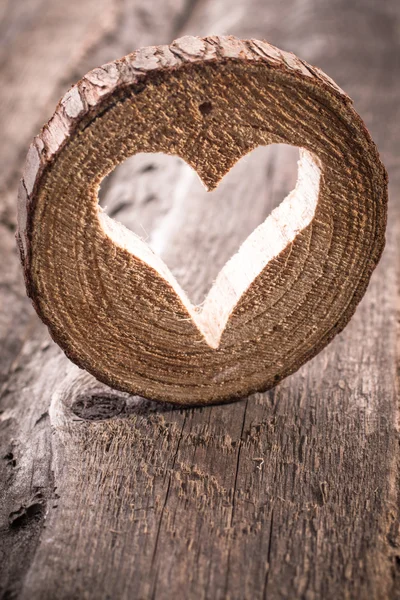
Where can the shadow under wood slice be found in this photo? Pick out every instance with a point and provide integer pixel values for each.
(97, 407)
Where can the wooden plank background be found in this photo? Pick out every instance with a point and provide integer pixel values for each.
(289, 494)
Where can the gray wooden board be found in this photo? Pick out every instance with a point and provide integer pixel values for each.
(288, 494)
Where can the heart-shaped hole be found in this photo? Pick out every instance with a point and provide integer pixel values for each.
(162, 202)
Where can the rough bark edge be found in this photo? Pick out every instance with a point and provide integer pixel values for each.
(92, 93)
(106, 85)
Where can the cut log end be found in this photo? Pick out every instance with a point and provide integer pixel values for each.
(114, 306)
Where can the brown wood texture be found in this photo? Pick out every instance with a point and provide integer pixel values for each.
(114, 306)
(289, 494)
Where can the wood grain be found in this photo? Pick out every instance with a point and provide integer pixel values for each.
(114, 306)
(291, 494)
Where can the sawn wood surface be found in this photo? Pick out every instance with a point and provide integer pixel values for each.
(289, 494)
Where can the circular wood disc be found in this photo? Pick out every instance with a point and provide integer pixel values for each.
(113, 305)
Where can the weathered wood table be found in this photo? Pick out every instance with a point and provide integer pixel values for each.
(289, 494)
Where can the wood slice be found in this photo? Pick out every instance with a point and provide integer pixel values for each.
(114, 306)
